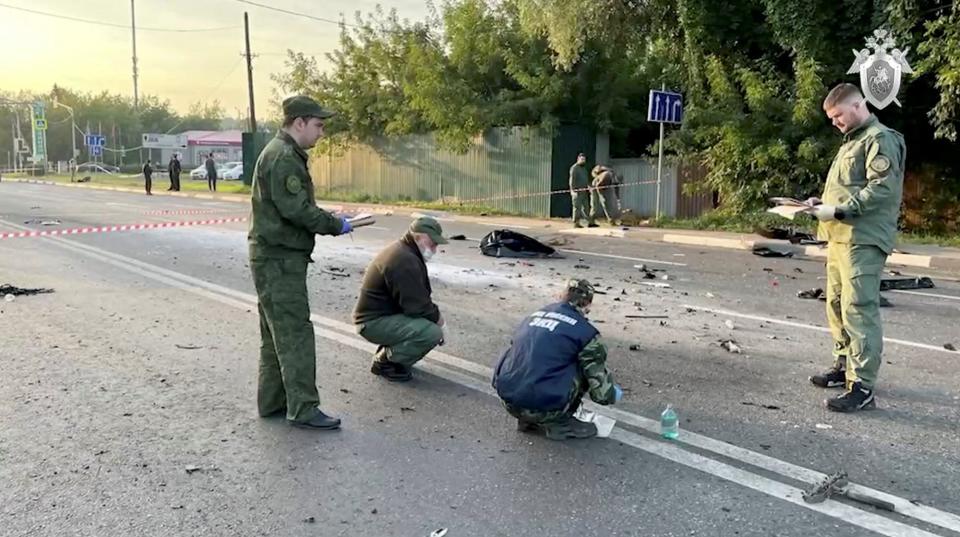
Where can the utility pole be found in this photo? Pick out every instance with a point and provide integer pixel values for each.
(246, 33)
(133, 28)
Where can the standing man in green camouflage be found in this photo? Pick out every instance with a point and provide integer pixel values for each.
(283, 222)
(858, 219)
(581, 192)
(555, 358)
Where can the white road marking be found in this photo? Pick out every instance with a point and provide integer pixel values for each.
(918, 293)
(729, 313)
(612, 256)
(670, 451)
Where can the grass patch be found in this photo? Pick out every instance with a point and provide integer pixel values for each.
(452, 207)
(159, 183)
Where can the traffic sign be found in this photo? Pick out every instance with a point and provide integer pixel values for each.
(665, 107)
(164, 141)
(94, 140)
(96, 151)
(40, 124)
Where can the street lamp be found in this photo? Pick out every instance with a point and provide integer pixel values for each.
(73, 130)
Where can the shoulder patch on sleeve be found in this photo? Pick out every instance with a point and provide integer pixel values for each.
(294, 186)
(880, 164)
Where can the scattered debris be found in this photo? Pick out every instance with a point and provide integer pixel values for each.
(794, 235)
(949, 347)
(407, 409)
(578, 266)
(711, 295)
(798, 270)
(190, 468)
(507, 243)
(838, 485)
(730, 345)
(665, 277)
(188, 347)
(7, 289)
(344, 390)
(439, 533)
(813, 294)
(906, 283)
(730, 324)
(458, 238)
(656, 284)
(42, 222)
(635, 347)
(646, 317)
(309, 520)
(763, 251)
(333, 271)
(768, 407)
(767, 269)
(9, 298)
(558, 241)
(823, 426)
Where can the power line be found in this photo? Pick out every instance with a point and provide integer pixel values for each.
(116, 25)
(295, 13)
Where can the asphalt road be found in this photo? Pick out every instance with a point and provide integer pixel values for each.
(142, 366)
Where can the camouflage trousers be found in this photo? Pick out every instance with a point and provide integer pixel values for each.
(543, 417)
(853, 308)
(605, 203)
(581, 207)
(288, 359)
(403, 340)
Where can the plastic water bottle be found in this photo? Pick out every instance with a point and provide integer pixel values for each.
(669, 421)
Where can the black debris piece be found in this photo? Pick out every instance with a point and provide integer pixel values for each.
(794, 235)
(950, 347)
(812, 294)
(768, 407)
(507, 243)
(906, 283)
(7, 289)
(763, 251)
(458, 238)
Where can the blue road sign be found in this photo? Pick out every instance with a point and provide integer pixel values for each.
(94, 140)
(96, 150)
(665, 107)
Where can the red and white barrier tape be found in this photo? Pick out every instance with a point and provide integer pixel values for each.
(125, 227)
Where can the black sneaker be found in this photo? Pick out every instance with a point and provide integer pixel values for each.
(593, 224)
(391, 371)
(858, 398)
(835, 377)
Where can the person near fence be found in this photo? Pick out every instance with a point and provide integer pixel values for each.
(555, 358)
(148, 177)
(174, 168)
(606, 186)
(858, 218)
(580, 192)
(211, 166)
(395, 309)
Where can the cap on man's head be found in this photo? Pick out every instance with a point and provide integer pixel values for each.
(580, 288)
(303, 106)
(430, 227)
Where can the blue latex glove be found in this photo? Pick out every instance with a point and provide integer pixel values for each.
(346, 227)
(617, 393)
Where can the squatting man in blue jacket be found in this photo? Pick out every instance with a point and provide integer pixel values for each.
(556, 356)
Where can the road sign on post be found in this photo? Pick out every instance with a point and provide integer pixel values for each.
(664, 107)
(39, 122)
(96, 150)
(164, 141)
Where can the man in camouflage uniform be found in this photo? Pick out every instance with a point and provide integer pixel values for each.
(606, 186)
(858, 219)
(581, 191)
(556, 356)
(283, 222)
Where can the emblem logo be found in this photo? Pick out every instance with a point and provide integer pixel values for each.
(881, 71)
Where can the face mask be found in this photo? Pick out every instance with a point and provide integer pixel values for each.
(427, 254)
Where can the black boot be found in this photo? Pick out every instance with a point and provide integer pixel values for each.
(319, 421)
(391, 371)
(569, 427)
(858, 398)
(836, 377)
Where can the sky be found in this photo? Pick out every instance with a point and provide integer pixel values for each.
(38, 51)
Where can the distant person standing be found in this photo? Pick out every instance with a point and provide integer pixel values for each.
(211, 173)
(73, 170)
(174, 168)
(148, 177)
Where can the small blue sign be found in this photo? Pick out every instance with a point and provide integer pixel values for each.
(665, 107)
(94, 140)
(96, 151)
